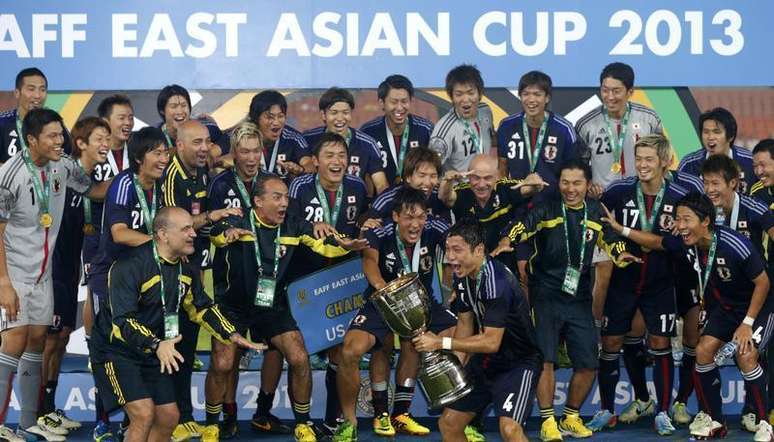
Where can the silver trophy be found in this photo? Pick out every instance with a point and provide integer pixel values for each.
(405, 307)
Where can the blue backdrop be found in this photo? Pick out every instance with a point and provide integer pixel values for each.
(233, 44)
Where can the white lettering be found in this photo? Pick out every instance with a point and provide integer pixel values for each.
(75, 399)
(193, 27)
(41, 34)
(564, 33)
(382, 26)
(231, 22)
(479, 33)
(122, 36)
(15, 42)
(70, 35)
(416, 26)
(288, 35)
(332, 36)
(353, 31)
(517, 34)
(161, 37)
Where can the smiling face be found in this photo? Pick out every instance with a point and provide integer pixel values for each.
(689, 226)
(177, 111)
(48, 144)
(615, 95)
(763, 164)
(573, 187)
(193, 144)
(714, 138)
(179, 233)
(32, 94)
(424, 178)
(396, 106)
(463, 259)
(332, 162)
(483, 177)
(271, 206)
(121, 121)
(337, 118)
(719, 191)
(650, 168)
(271, 123)
(154, 162)
(411, 220)
(465, 98)
(534, 101)
(97, 146)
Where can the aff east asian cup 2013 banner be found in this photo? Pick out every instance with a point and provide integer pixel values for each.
(230, 44)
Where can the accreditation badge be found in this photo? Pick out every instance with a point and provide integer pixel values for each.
(171, 325)
(571, 280)
(264, 292)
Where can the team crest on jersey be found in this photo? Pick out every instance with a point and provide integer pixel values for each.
(496, 203)
(426, 263)
(57, 185)
(668, 208)
(353, 170)
(724, 273)
(589, 235)
(551, 139)
(550, 152)
(281, 157)
(351, 213)
(354, 159)
(721, 261)
(413, 144)
(283, 250)
(351, 199)
(742, 224)
(196, 208)
(666, 221)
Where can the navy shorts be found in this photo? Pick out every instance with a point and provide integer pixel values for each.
(687, 298)
(658, 308)
(511, 393)
(558, 315)
(65, 305)
(369, 320)
(121, 380)
(263, 324)
(722, 324)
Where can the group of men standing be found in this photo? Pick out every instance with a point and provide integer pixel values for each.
(540, 234)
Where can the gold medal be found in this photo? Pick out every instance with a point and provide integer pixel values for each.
(616, 167)
(88, 229)
(46, 220)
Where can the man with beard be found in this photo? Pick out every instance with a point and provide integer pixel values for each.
(398, 130)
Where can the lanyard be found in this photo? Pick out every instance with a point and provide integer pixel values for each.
(348, 137)
(533, 159)
(703, 281)
(567, 236)
(258, 250)
(41, 186)
(414, 265)
(328, 216)
(124, 164)
(398, 155)
(647, 223)
(720, 218)
(474, 135)
(273, 159)
(161, 281)
(22, 141)
(242, 190)
(166, 134)
(86, 204)
(617, 142)
(148, 213)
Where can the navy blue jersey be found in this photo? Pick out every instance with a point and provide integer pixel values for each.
(498, 211)
(364, 156)
(655, 273)
(418, 135)
(690, 182)
(384, 240)
(766, 196)
(560, 144)
(66, 262)
(9, 137)
(217, 136)
(381, 207)
(735, 266)
(290, 146)
(223, 192)
(102, 172)
(500, 303)
(753, 219)
(692, 163)
(121, 207)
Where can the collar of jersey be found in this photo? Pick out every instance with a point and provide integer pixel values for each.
(180, 166)
(261, 223)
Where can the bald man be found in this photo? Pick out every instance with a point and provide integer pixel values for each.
(185, 186)
(486, 196)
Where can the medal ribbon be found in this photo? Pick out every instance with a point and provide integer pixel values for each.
(398, 156)
(413, 266)
(567, 236)
(161, 281)
(615, 141)
(86, 205)
(147, 213)
(242, 190)
(22, 141)
(533, 159)
(645, 222)
(704, 280)
(473, 135)
(41, 187)
(328, 216)
(258, 250)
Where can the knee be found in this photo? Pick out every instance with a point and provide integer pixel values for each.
(704, 353)
(141, 415)
(298, 360)
(449, 426)
(352, 352)
(510, 430)
(167, 416)
(747, 361)
(222, 362)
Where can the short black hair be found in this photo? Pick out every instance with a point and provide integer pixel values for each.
(142, 142)
(29, 72)
(37, 119)
(168, 92)
(263, 101)
(723, 165)
(618, 71)
(470, 230)
(259, 188)
(418, 155)
(335, 95)
(395, 81)
(105, 108)
(766, 145)
(701, 205)
(464, 74)
(577, 164)
(537, 79)
(329, 138)
(722, 116)
(407, 197)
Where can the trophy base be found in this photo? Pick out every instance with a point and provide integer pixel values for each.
(442, 378)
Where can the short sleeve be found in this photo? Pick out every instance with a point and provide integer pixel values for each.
(753, 265)
(441, 147)
(77, 178)
(117, 207)
(672, 244)
(7, 203)
(373, 237)
(496, 312)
